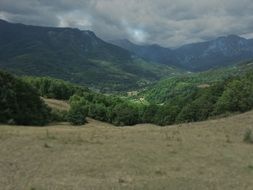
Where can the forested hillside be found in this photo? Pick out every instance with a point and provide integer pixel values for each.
(171, 87)
(76, 56)
(185, 100)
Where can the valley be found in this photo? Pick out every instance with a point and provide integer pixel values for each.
(80, 112)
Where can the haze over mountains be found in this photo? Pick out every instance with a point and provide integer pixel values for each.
(81, 57)
(220, 52)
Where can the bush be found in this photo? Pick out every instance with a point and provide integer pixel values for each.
(124, 114)
(77, 114)
(59, 116)
(248, 136)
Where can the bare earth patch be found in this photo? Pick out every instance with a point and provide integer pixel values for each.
(198, 156)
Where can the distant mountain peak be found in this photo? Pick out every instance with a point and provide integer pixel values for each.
(233, 36)
(1, 20)
(222, 51)
(230, 37)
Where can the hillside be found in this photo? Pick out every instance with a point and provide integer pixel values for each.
(200, 156)
(168, 88)
(220, 52)
(74, 55)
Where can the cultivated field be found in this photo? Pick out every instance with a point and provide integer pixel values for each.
(198, 156)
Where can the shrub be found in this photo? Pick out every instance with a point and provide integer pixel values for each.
(248, 136)
(77, 114)
(59, 115)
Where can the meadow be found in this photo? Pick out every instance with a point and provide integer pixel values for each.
(209, 155)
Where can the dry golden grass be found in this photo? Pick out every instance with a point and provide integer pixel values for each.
(57, 104)
(198, 156)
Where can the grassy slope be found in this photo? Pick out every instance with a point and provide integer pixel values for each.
(205, 155)
(57, 104)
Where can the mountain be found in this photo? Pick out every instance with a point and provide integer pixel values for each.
(154, 53)
(220, 52)
(74, 55)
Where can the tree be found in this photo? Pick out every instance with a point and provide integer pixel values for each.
(237, 96)
(124, 114)
(78, 110)
(20, 103)
(149, 113)
(166, 115)
(77, 114)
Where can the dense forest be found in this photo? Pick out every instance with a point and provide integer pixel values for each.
(184, 101)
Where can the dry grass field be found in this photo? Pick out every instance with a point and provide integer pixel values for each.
(57, 104)
(207, 155)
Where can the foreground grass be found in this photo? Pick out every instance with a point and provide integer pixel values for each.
(197, 156)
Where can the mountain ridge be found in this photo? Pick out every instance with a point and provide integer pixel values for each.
(200, 56)
(75, 55)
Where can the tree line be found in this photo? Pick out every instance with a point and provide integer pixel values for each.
(21, 104)
(234, 94)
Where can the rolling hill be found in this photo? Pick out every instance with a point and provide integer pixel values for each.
(74, 55)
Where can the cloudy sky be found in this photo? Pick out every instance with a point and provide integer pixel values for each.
(169, 23)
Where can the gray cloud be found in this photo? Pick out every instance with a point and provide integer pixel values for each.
(166, 22)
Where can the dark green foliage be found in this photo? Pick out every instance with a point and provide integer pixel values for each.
(107, 108)
(20, 103)
(125, 114)
(98, 111)
(149, 112)
(237, 96)
(54, 88)
(78, 112)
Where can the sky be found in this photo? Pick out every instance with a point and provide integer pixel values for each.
(169, 23)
